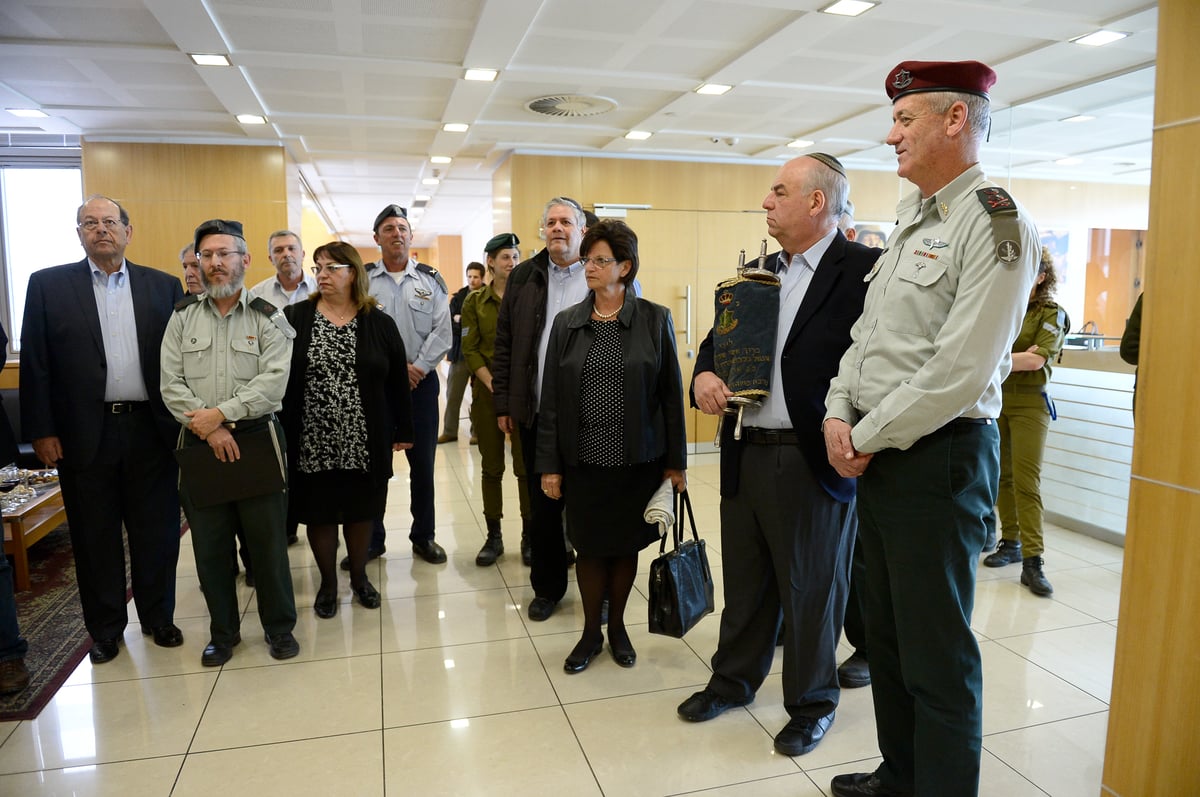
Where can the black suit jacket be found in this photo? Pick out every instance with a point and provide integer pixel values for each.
(63, 365)
(818, 337)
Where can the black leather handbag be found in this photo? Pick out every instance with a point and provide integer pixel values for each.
(681, 585)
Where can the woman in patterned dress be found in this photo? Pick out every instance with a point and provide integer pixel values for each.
(347, 404)
(610, 429)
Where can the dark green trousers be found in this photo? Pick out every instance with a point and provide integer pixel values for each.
(1023, 425)
(213, 529)
(922, 519)
(491, 456)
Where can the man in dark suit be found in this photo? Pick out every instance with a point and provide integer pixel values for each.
(90, 402)
(787, 519)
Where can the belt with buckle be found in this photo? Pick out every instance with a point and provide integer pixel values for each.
(757, 436)
(124, 407)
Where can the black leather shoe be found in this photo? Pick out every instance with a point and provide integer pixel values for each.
(372, 553)
(571, 557)
(293, 539)
(283, 646)
(13, 676)
(575, 664)
(326, 604)
(1033, 577)
(526, 550)
(430, 551)
(217, 653)
(854, 672)
(624, 657)
(540, 609)
(367, 595)
(1009, 552)
(249, 579)
(862, 784)
(165, 636)
(704, 705)
(802, 734)
(104, 650)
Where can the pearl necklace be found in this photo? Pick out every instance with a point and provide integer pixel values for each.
(607, 316)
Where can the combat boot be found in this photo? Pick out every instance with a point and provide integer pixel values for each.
(1007, 553)
(526, 545)
(493, 547)
(1033, 577)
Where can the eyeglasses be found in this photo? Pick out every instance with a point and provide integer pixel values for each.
(330, 267)
(221, 255)
(599, 262)
(91, 225)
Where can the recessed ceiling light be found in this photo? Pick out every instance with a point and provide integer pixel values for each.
(486, 75)
(638, 135)
(440, 159)
(848, 8)
(209, 59)
(1079, 117)
(422, 198)
(1069, 161)
(251, 119)
(713, 88)
(27, 113)
(455, 127)
(1100, 38)
(431, 181)
(800, 143)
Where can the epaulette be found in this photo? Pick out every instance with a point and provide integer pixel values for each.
(187, 301)
(1006, 232)
(433, 272)
(275, 314)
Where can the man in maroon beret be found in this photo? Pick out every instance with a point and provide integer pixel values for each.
(912, 414)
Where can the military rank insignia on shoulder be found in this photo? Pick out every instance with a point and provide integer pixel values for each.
(187, 301)
(1006, 233)
(275, 314)
(433, 272)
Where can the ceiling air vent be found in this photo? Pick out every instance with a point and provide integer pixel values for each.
(571, 105)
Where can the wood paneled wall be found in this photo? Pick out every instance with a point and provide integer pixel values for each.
(168, 189)
(1154, 722)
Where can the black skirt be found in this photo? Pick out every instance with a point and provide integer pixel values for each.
(334, 497)
(605, 507)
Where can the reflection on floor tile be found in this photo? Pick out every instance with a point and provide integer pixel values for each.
(450, 689)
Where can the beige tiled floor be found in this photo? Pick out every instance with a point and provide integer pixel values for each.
(449, 689)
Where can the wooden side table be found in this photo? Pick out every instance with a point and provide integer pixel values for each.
(27, 524)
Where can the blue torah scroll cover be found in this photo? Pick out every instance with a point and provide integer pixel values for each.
(747, 321)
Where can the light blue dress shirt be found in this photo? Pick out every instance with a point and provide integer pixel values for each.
(566, 287)
(118, 327)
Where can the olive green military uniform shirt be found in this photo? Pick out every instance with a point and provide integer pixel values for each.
(238, 363)
(1041, 327)
(934, 340)
(479, 313)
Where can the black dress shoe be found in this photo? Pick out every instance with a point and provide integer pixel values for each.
(249, 579)
(367, 595)
(372, 553)
(802, 734)
(430, 551)
(104, 650)
(624, 657)
(704, 705)
(165, 636)
(293, 539)
(326, 604)
(217, 653)
(854, 672)
(578, 663)
(862, 784)
(540, 609)
(283, 646)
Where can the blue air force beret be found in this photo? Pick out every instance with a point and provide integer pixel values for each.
(391, 211)
(910, 77)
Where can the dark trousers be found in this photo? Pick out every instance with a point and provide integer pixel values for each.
(785, 549)
(855, 625)
(548, 552)
(214, 529)
(420, 464)
(922, 523)
(132, 482)
(12, 644)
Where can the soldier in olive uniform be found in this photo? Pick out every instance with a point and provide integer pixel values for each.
(225, 362)
(479, 314)
(1024, 422)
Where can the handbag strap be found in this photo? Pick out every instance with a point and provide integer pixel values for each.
(683, 501)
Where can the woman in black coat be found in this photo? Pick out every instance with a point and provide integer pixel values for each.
(347, 406)
(610, 430)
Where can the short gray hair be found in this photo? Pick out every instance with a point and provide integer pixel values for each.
(562, 201)
(120, 210)
(834, 186)
(190, 246)
(283, 234)
(979, 112)
(847, 219)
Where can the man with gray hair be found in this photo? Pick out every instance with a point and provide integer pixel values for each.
(191, 269)
(917, 394)
(787, 519)
(290, 284)
(846, 221)
(538, 289)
